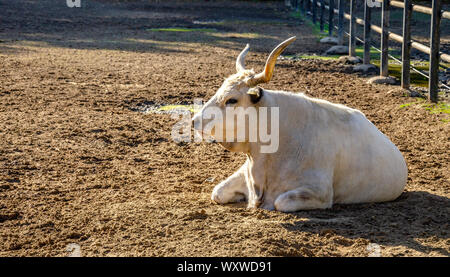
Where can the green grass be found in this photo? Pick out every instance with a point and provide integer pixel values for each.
(395, 70)
(167, 108)
(315, 27)
(247, 22)
(374, 54)
(318, 57)
(439, 108)
(406, 105)
(179, 29)
(433, 108)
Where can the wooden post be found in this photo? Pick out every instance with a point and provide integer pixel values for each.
(434, 55)
(314, 11)
(330, 18)
(384, 66)
(322, 13)
(406, 46)
(302, 6)
(367, 41)
(297, 6)
(341, 4)
(352, 41)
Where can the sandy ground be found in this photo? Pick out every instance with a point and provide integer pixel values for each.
(79, 164)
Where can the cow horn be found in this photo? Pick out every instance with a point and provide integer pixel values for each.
(240, 59)
(266, 75)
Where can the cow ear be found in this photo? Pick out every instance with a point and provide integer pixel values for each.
(255, 94)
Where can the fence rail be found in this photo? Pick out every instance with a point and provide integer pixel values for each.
(310, 7)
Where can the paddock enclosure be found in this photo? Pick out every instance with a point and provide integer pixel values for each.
(82, 164)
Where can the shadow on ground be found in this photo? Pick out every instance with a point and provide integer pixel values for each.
(384, 223)
(131, 26)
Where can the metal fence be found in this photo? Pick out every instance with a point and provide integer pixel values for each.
(320, 11)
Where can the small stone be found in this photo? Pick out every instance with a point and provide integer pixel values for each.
(350, 59)
(337, 50)
(365, 68)
(382, 80)
(330, 40)
(413, 93)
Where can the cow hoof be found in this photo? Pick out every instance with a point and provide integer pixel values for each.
(219, 195)
(215, 197)
(222, 196)
(284, 205)
(267, 206)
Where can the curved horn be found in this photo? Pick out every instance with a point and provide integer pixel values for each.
(240, 59)
(266, 75)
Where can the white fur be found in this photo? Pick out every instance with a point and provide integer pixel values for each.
(328, 153)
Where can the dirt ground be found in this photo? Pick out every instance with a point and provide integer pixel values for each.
(79, 164)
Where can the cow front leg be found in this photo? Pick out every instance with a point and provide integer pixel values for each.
(304, 198)
(233, 189)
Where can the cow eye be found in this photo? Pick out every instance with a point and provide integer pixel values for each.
(231, 101)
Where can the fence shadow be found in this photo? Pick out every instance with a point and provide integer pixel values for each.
(404, 222)
(132, 25)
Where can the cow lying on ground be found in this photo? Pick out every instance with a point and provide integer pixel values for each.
(327, 153)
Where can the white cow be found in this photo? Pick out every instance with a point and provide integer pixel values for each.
(327, 153)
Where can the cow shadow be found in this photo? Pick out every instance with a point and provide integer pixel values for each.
(413, 217)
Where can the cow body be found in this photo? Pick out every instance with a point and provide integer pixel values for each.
(327, 154)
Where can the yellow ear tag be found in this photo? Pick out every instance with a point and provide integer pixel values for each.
(255, 94)
(253, 91)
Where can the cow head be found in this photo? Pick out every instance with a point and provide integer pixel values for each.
(239, 94)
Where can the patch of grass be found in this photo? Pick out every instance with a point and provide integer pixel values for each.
(167, 108)
(395, 70)
(151, 108)
(325, 58)
(405, 105)
(439, 108)
(374, 54)
(318, 57)
(237, 35)
(179, 29)
(315, 27)
(247, 22)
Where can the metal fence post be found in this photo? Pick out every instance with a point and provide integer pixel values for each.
(434, 55)
(352, 41)
(330, 18)
(307, 6)
(322, 13)
(406, 46)
(341, 4)
(314, 11)
(367, 41)
(384, 66)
